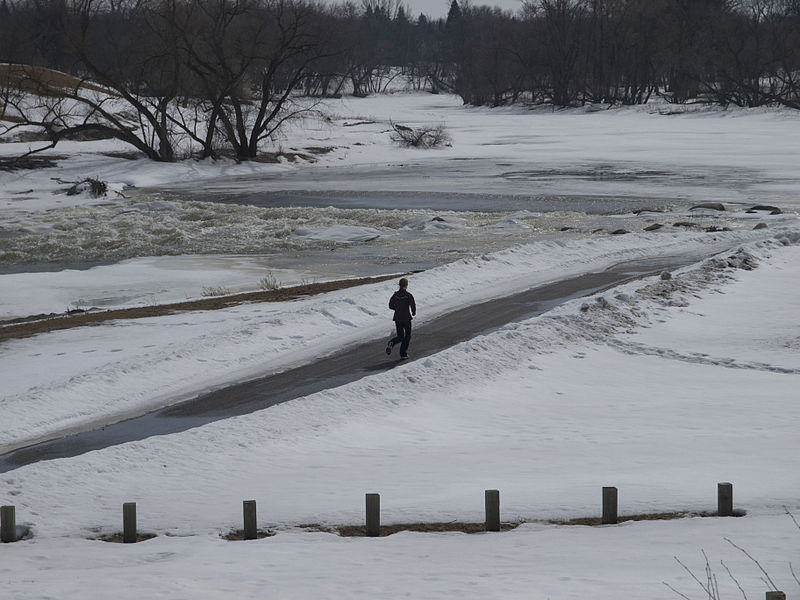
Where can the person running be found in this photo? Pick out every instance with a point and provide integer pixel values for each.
(404, 307)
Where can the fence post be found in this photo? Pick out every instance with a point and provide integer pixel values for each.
(8, 524)
(373, 515)
(609, 506)
(776, 596)
(725, 499)
(129, 523)
(492, 502)
(250, 527)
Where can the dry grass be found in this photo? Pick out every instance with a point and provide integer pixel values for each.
(42, 81)
(10, 118)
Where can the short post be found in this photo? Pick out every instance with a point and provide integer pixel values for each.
(725, 499)
(776, 596)
(609, 505)
(492, 501)
(249, 510)
(373, 515)
(129, 522)
(8, 524)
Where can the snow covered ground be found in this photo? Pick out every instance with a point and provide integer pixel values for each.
(662, 388)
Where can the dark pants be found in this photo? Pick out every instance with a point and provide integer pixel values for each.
(403, 336)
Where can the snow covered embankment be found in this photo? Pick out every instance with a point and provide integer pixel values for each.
(97, 375)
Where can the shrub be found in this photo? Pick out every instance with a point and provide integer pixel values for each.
(420, 137)
(216, 291)
(269, 282)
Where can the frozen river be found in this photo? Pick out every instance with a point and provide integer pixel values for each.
(361, 206)
(222, 235)
(477, 184)
(416, 215)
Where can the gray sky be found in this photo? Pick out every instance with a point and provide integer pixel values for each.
(438, 8)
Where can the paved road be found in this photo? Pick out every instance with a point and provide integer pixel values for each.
(338, 369)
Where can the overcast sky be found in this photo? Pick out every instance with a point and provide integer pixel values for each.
(438, 8)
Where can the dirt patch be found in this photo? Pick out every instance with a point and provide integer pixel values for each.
(22, 328)
(30, 162)
(131, 155)
(117, 538)
(463, 527)
(595, 521)
(451, 526)
(44, 81)
(446, 527)
(238, 535)
(319, 149)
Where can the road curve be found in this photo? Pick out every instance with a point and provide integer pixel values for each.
(337, 369)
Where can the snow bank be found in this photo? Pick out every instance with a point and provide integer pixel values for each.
(100, 374)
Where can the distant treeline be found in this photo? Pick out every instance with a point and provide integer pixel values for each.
(235, 64)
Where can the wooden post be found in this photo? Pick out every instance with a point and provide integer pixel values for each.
(129, 523)
(725, 499)
(250, 529)
(609, 505)
(373, 515)
(776, 596)
(492, 501)
(8, 524)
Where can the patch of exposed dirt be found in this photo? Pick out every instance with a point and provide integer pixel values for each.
(22, 328)
(319, 149)
(238, 535)
(130, 155)
(117, 538)
(30, 162)
(446, 527)
(595, 521)
(452, 526)
(463, 527)
(44, 81)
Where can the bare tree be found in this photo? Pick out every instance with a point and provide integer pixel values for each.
(752, 57)
(204, 70)
(262, 52)
(563, 34)
(785, 75)
(124, 85)
(621, 52)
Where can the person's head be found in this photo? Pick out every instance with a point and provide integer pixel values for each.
(403, 283)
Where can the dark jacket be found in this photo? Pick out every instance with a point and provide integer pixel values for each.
(403, 305)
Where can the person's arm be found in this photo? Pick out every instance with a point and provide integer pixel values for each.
(413, 307)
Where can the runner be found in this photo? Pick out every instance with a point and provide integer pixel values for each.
(404, 307)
